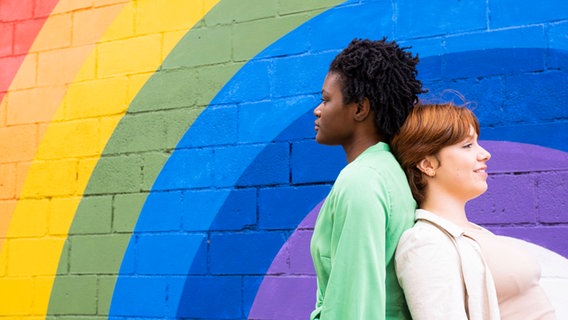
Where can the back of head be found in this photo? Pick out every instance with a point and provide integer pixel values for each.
(428, 129)
(385, 74)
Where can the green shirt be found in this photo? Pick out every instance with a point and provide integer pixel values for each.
(355, 236)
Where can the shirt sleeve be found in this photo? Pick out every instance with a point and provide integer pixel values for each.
(356, 285)
(429, 273)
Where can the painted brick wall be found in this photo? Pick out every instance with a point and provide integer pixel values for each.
(157, 158)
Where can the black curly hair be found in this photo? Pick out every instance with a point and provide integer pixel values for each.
(384, 73)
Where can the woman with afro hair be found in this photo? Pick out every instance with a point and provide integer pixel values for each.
(369, 90)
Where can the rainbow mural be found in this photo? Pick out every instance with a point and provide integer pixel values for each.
(157, 158)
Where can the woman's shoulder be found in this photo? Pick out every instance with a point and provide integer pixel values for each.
(423, 234)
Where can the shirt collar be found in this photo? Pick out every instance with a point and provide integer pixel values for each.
(455, 230)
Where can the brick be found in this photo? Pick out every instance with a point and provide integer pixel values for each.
(267, 164)
(220, 121)
(292, 44)
(89, 25)
(84, 170)
(51, 178)
(536, 97)
(14, 10)
(63, 265)
(297, 75)
(140, 132)
(244, 252)
(254, 10)
(221, 36)
(302, 127)
(116, 57)
(251, 284)
(110, 98)
(343, 23)
(26, 75)
(151, 221)
(557, 41)
(254, 74)
(94, 215)
(510, 60)
(179, 121)
(81, 140)
(178, 88)
(155, 254)
(300, 256)
(257, 119)
(116, 174)
(29, 106)
(95, 254)
(149, 293)
(205, 303)
(245, 46)
(219, 209)
(294, 257)
(106, 288)
(423, 21)
(80, 293)
(126, 209)
(122, 27)
(507, 13)
(7, 39)
(60, 29)
(285, 207)
(107, 126)
(20, 299)
(552, 194)
(44, 7)
(188, 168)
(25, 32)
(30, 219)
(60, 67)
(312, 162)
(18, 142)
(295, 295)
(509, 199)
(238, 210)
(158, 16)
(152, 167)
(61, 214)
(33, 256)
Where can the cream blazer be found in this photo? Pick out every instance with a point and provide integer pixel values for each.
(443, 273)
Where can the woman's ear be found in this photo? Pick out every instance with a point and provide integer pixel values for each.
(428, 166)
(362, 110)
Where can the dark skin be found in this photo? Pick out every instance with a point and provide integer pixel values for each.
(350, 125)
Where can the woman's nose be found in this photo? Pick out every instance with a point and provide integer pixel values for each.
(317, 111)
(484, 154)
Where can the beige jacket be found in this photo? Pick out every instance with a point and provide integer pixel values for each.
(443, 273)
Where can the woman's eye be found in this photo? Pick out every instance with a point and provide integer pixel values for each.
(469, 145)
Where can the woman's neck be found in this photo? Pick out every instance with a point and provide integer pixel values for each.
(450, 209)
